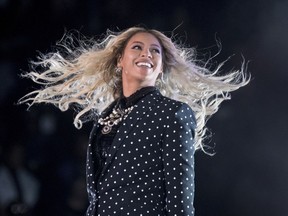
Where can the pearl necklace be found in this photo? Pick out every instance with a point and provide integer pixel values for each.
(114, 118)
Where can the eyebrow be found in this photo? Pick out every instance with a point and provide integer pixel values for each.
(143, 43)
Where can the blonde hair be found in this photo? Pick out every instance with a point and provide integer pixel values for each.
(84, 76)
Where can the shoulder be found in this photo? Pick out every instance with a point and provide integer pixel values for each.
(168, 105)
(176, 108)
(175, 105)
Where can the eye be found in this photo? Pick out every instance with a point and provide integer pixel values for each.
(137, 47)
(156, 50)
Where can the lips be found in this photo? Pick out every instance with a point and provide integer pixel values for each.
(145, 64)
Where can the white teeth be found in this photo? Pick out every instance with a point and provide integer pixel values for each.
(144, 64)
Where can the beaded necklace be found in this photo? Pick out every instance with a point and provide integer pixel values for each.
(118, 113)
(114, 118)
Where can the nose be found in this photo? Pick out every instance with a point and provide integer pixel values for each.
(146, 53)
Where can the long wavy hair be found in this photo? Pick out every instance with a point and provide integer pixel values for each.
(81, 74)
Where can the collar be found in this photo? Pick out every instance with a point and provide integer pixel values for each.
(125, 102)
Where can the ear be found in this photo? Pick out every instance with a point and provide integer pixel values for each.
(119, 61)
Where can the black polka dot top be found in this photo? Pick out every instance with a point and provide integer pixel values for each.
(104, 140)
(148, 168)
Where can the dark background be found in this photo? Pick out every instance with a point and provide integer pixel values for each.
(248, 175)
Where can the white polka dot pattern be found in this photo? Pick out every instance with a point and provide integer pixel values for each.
(150, 166)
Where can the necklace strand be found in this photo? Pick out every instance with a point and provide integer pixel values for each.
(114, 118)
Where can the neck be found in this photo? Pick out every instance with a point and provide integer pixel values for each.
(130, 88)
(129, 91)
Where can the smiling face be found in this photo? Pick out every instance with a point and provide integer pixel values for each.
(141, 61)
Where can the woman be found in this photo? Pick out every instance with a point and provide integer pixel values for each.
(140, 157)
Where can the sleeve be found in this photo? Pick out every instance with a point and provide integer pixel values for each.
(178, 162)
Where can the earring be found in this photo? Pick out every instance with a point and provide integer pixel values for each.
(118, 70)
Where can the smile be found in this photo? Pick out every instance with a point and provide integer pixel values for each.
(146, 64)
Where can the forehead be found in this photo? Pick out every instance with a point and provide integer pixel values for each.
(144, 37)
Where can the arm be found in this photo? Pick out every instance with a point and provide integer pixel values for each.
(178, 162)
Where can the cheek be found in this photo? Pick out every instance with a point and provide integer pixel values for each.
(127, 59)
(159, 63)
